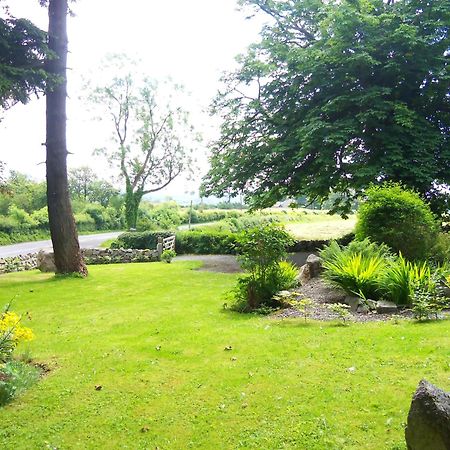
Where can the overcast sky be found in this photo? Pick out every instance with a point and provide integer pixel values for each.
(193, 42)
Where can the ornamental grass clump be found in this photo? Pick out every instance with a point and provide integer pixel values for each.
(356, 268)
(401, 278)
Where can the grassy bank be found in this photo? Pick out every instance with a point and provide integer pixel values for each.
(152, 338)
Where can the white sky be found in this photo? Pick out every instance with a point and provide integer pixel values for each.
(192, 41)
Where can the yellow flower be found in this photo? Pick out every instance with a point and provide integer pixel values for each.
(10, 321)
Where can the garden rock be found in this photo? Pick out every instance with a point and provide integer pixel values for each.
(315, 265)
(46, 261)
(353, 302)
(428, 424)
(363, 309)
(372, 304)
(384, 307)
(304, 275)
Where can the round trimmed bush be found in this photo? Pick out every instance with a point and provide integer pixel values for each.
(398, 217)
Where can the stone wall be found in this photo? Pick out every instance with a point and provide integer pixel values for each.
(91, 256)
(18, 263)
(118, 255)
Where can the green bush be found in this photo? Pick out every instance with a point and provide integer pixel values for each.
(260, 252)
(140, 240)
(441, 248)
(206, 242)
(398, 217)
(167, 256)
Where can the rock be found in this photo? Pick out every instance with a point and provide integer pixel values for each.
(384, 307)
(372, 304)
(304, 274)
(363, 309)
(353, 302)
(46, 261)
(428, 424)
(315, 265)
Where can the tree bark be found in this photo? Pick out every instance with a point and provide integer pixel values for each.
(132, 201)
(68, 258)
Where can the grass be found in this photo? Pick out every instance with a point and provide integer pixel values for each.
(153, 336)
(321, 226)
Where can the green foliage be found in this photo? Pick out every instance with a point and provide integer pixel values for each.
(140, 240)
(287, 274)
(342, 311)
(15, 377)
(401, 278)
(398, 217)
(427, 304)
(260, 252)
(168, 255)
(23, 49)
(162, 323)
(441, 248)
(369, 270)
(355, 268)
(304, 306)
(206, 242)
(153, 139)
(334, 96)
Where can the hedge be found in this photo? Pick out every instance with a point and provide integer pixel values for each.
(140, 240)
(208, 242)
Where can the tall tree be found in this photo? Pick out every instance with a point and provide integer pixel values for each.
(335, 96)
(85, 184)
(153, 138)
(23, 49)
(68, 258)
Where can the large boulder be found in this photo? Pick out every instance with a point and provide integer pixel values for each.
(315, 265)
(428, 426)
(46, 261)
(311, 269)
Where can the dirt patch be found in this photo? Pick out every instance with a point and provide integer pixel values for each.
(322, 296)
(214, 263)
(229, 263)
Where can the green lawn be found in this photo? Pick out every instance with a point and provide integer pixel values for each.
(153, 336)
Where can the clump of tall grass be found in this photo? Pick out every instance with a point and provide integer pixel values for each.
(401, 278)
(371, 271)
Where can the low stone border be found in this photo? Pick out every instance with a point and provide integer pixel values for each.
(93, 256)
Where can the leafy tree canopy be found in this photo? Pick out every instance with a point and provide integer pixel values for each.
(23, 48)
(337, 95)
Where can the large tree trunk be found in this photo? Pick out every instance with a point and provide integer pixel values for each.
(132, 201)
(63, 231)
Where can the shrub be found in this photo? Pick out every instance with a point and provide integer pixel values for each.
(427, 304)
(398, 217)
(441, 248)
(206, 242)
(168, 255)
(260, 252)
(140, 240)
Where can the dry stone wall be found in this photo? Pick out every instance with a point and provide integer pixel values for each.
(94, 256)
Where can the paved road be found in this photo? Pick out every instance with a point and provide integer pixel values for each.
(88, 241)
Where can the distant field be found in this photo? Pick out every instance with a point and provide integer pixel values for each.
(324, 227)
(304, 224)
